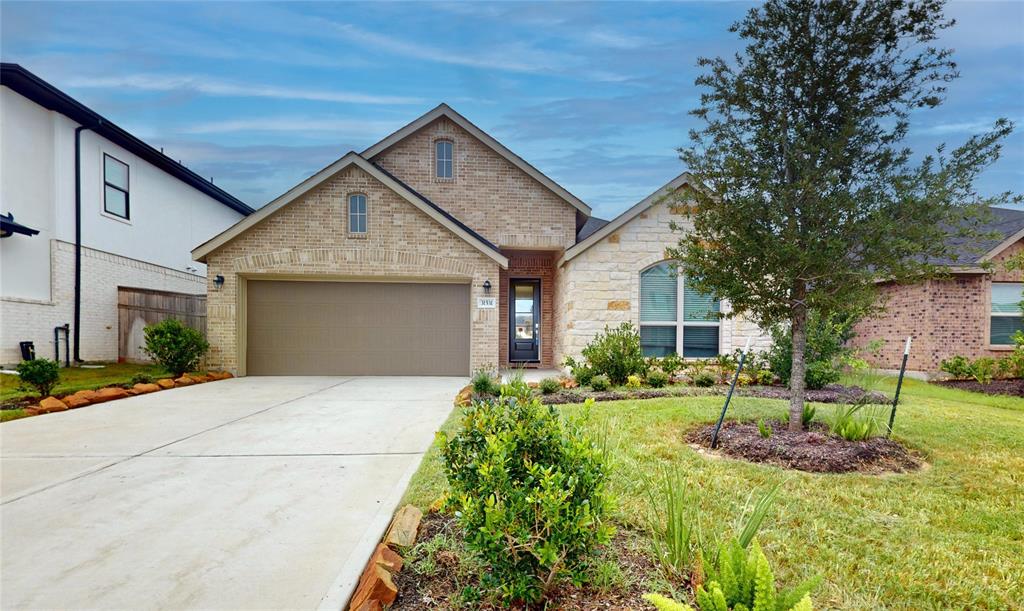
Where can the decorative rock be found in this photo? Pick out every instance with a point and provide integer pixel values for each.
(402, 532)
(110, 393)
(376, 585)
(165, 383)
(52, 404)
(142, 389)
(80, 399)
(34, 410)
(184, 380)
(199, 378)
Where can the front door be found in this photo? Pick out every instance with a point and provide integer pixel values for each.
(524, 321)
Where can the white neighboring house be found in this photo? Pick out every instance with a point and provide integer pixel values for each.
(138, 214)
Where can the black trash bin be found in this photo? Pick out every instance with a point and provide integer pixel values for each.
(28, 351)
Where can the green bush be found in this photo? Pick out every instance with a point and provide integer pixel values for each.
(983, 369)
(671, 364)
(550, 385)
(743, 579)
(958, 366)
(529, 492)
(600, 382)
(634, 382)
(657, 378)
(855, 422)
(40, 375)
(174, 346)
(141, 378)
(826, 339)
(765, 377)
(616, 353)
(764, 428)
(484, 382)
(703, 379)
(580, 371)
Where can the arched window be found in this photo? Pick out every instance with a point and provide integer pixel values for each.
(357, 213)
(674, 317)
(443, 156)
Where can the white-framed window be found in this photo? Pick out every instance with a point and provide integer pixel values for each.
(115, 187)
(443, 156)
(675, 318)
(1005, 317)
(357, 213)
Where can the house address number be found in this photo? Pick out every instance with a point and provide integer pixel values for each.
(486, 303)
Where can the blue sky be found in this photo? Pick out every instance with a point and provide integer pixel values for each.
(595, 95)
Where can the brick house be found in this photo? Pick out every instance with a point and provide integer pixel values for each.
(437, 251)
(973, 312)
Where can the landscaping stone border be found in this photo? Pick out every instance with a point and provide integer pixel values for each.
(376, 589)
(83, 398)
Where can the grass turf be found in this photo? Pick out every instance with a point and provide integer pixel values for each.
(73, 379)
(948, 536)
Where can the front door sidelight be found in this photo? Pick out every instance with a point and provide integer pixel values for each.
(524, 321)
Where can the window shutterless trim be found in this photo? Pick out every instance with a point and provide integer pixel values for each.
(127, 178)
(680, 323)
(449, 160)
(365, 214)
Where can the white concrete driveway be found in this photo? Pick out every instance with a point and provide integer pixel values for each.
(248, 493)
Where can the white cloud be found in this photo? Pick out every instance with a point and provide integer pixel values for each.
(215, 87)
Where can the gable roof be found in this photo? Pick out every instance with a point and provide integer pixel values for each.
(610, 227)
(1006, 226)
(443, 110)
(352, 158)
(27, 84)
(590, 228)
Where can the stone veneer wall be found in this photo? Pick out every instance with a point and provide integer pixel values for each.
(946, 317)
(601, 286)
(102, 273)
(534, 266)
(495, 198)
(309, 237)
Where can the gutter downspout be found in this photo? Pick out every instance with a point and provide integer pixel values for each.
(78, 239)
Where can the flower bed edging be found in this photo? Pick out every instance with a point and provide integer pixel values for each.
(83, 398)
(376, 589)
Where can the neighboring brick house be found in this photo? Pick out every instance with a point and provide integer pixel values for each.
(973, 312)
(439, 251)
(86, 203)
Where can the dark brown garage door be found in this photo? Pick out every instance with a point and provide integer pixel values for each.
(356, 328)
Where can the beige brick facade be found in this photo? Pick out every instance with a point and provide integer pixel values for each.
(946, 317)
(601, 286)
(308, 239)
(486, 192)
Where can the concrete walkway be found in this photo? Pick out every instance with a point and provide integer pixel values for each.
(249, 493)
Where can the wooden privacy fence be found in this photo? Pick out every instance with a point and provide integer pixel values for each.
(137, 308)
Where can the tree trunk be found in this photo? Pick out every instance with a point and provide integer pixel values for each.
(798, 334)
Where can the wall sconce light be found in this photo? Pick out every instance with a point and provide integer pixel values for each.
(487, 286)
(218, 281)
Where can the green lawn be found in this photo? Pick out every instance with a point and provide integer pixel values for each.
(73, 379)
(948, 536)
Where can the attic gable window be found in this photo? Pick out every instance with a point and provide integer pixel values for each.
(443, 150)
(357, 214)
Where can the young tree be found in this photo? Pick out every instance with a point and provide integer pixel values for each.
(810, 195)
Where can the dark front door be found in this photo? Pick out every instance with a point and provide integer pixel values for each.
(524, 321)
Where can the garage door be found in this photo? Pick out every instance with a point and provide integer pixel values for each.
(357, 328)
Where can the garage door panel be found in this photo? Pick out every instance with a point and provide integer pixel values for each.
(357, 328)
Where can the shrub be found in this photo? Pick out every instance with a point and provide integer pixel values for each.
(550, 385)
(40, 375)
(958, 367)
(826, 338)
(806, 416)
(657, 378)
(529, 491)
(174, 346)
(703, 379)
(634, 382)
(671, 364)
(743, 579)
(616, 353)
(600, 382)
(856, 422)
(744, 379)
(580, 372)
(765, 377)
(484, 382)
(983, 369)
(726, 367)
(672, 520)
(141, 378)
(764, 428)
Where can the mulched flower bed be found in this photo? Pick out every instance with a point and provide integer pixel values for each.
(833, 393)
(816, 450)
(1014, 388)
(440, 589)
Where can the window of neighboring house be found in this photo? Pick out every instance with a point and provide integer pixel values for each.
(115, 187)
(1006, 312)
(666, 299)
(443, 158)
(357, 213)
